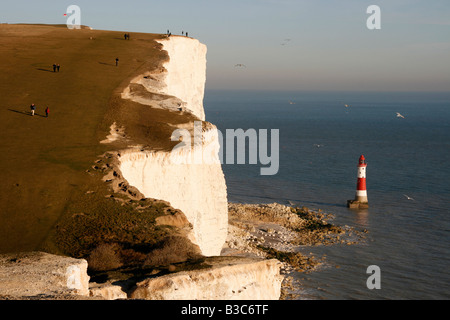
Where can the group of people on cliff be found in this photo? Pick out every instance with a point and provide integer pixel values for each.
(33, 109)
(182, 33)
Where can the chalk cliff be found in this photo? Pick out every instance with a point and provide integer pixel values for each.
(189, 177)
(186, 72)
(180, 85)
(198, 190)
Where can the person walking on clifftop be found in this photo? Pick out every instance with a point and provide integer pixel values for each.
(32, 108)
(47, 111)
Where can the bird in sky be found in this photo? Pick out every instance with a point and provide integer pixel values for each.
(408, 197)
(240, 65)
(399, 115)
(285, 42)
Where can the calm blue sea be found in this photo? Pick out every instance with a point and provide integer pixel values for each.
(320, 142)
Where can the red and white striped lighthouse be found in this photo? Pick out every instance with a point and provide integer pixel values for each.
(361, 191)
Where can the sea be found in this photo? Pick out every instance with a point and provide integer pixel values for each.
(405, 138)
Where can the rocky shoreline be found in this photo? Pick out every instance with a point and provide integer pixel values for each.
(281, 232)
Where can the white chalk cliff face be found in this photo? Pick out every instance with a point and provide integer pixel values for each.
(198, 190)
(186, 72)
(195, 187)
(181, 85)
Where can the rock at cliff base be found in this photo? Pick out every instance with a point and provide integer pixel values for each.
(227, 279)
(38, 273)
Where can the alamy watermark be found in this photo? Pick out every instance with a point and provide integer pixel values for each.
(374, 280)
(374, 20)
(73, 14)
(73, 274)
(240, 147)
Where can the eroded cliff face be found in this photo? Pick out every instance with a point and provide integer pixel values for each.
(186, 72)
(180, 84)
(198, 190)
(189, 176)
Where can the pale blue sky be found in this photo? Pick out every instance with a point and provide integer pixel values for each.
(329, 46)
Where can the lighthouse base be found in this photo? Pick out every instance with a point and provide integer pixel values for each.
(356, 204)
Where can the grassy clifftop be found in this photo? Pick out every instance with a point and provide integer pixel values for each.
(44, 161)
